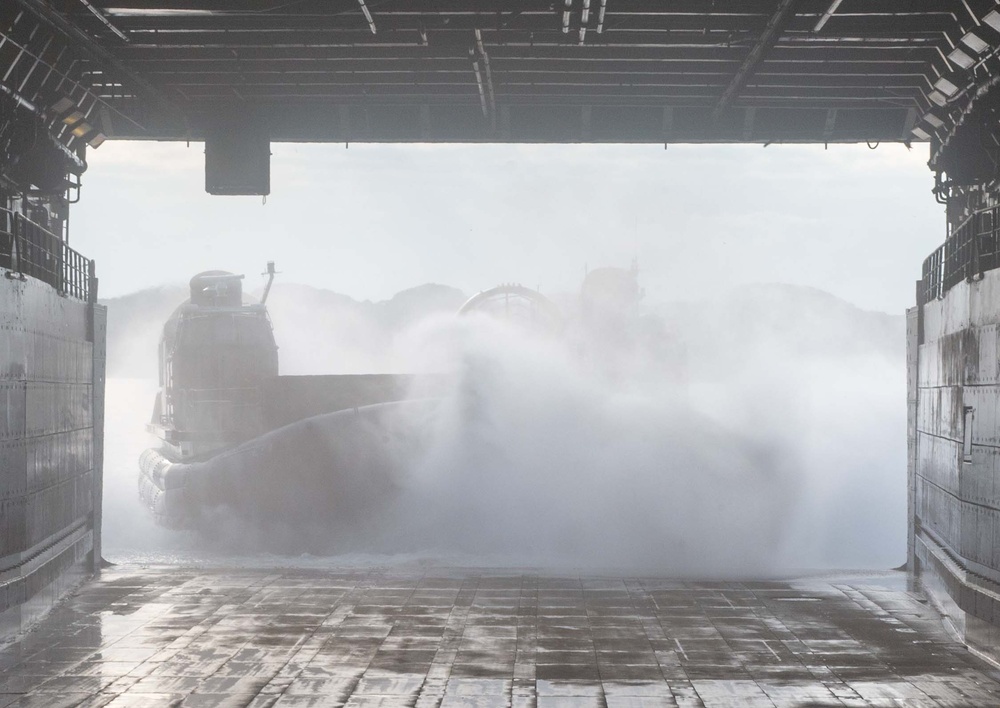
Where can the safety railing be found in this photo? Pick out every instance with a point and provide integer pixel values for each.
(972, 249)
(29, 249)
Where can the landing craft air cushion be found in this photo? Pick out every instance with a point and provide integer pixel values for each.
(240, 442)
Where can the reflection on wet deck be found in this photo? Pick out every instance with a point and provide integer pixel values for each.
(164, 637)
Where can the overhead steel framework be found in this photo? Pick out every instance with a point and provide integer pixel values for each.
(505, 70)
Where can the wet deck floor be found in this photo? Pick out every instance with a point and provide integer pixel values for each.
(159, 637)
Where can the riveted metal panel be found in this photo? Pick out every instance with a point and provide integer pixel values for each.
(12, 525)
(57, 407)
(984, 303)
(13, 347)
(54, 509)
(47, 437)
(912, 417)
(955, 477)
(940, 412)
(51, 459)
(948, 315)
(987, 366)
(99, 336)
(938, 461)
(12, 413)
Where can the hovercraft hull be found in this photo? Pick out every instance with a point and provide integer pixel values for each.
(332, 469)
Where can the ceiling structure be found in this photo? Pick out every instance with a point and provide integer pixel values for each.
(500, 70)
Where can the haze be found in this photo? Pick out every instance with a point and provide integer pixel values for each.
(372, 220)
(776, 441)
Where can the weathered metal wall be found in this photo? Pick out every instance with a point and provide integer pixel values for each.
(955, 463)
(912, 349)
(51, 396)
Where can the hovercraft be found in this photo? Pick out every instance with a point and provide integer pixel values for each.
(239, 442)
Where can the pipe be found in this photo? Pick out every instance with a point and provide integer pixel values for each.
(488, 75)
(270, 279)
(479, 84)
(22, 101)
(105, 21)
(368, 15)
(827, 15)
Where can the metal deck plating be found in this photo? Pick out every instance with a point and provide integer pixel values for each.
(332, 637)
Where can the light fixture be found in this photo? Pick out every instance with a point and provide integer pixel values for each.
(63, 105)
(992, 19)
(66, 110)
(368, 16)
(946, 87)
(825, 17)
(933, 119)
(960, 58)
(921, 134)
(937, 97)
(974, 42)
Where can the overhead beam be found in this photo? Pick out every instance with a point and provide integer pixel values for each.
(39, 68)
(96, 12)
(758, 66)
(523, 121)
(84, 43)
(673, 23)
(917, 55)
(464, 7)
(719, 72)
(755, 56)
(564, 95)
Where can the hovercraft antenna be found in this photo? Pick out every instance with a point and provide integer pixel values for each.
(270, 279)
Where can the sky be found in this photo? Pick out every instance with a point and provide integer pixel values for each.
(370, 220)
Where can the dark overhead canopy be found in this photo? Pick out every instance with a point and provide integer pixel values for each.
(502, 70)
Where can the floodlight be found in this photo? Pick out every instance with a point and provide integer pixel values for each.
(933, 119)
(974, 42)
(992, 19)
(946, 87)
(960, 58)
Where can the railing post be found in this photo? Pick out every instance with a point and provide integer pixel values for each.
(59, 268)
(940, 267)
(91, 294)
(65, 268)
(974, 270)
(15, 243)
